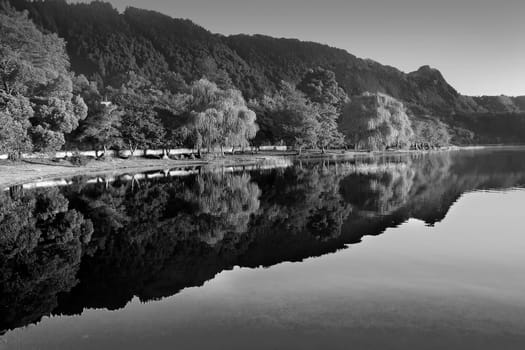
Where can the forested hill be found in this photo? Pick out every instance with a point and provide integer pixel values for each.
(103, 44)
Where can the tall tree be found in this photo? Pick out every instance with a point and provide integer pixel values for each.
(15, 112)
(376, 121)
(102, 129)
(140, 125)
(429, 133)
(219, 117)
(328, 134)
(320, 86)
(290, 118)
(35, 65)
(210, 71)
(141, 129)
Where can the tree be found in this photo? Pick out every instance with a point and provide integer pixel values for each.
(320, 86)
(36, 66)
(140, 128)
(54, 117)
(289, 117)
(238, 125)
(172, 110)
(89, 91)
(26, 46)
(213, 73)
(102, 130)
(172, 82)
(140, 125)
(219, 117)
(13, 71)
(429, 133)
(376, 121)
(15, 112)
(328, 134)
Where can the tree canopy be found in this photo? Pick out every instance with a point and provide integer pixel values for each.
(34, 69)
(376, 122)
(429, 132)
(320, 86)
(219, 117)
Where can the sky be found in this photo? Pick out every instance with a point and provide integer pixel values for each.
(478, 45)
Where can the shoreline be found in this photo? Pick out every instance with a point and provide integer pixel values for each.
(22, 172)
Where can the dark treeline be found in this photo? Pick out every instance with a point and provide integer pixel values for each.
(99, 245)
(86, 76)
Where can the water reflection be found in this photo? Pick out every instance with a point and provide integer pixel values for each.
(99, 244)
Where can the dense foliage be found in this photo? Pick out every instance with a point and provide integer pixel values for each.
(376, 122)
(136, 73)
(37, 102)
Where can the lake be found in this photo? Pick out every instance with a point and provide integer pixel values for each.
(423, 251)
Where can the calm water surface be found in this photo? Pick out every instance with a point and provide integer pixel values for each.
(423, 252)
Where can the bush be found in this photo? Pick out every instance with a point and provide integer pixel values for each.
(79, 160)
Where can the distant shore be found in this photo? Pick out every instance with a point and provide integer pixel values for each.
(21, 172)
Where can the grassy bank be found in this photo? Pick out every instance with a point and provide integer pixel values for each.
(15, 173)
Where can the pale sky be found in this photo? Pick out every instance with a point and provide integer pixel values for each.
(478, 45)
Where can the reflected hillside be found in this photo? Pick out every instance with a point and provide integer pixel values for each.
(97, 245)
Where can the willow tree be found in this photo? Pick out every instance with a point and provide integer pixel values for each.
(219, 118)
(376, 121)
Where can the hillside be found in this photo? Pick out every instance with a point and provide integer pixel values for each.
(103, 44)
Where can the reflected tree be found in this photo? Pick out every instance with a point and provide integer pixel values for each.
(41, 246)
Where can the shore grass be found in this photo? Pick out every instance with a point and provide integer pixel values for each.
(15, 173)
(20, 172)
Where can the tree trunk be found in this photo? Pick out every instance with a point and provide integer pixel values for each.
(131, 150)
(14, 156)
(165, 153)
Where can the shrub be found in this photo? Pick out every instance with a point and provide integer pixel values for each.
(79, 160)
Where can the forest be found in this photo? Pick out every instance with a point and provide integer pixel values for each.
(86, 77)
